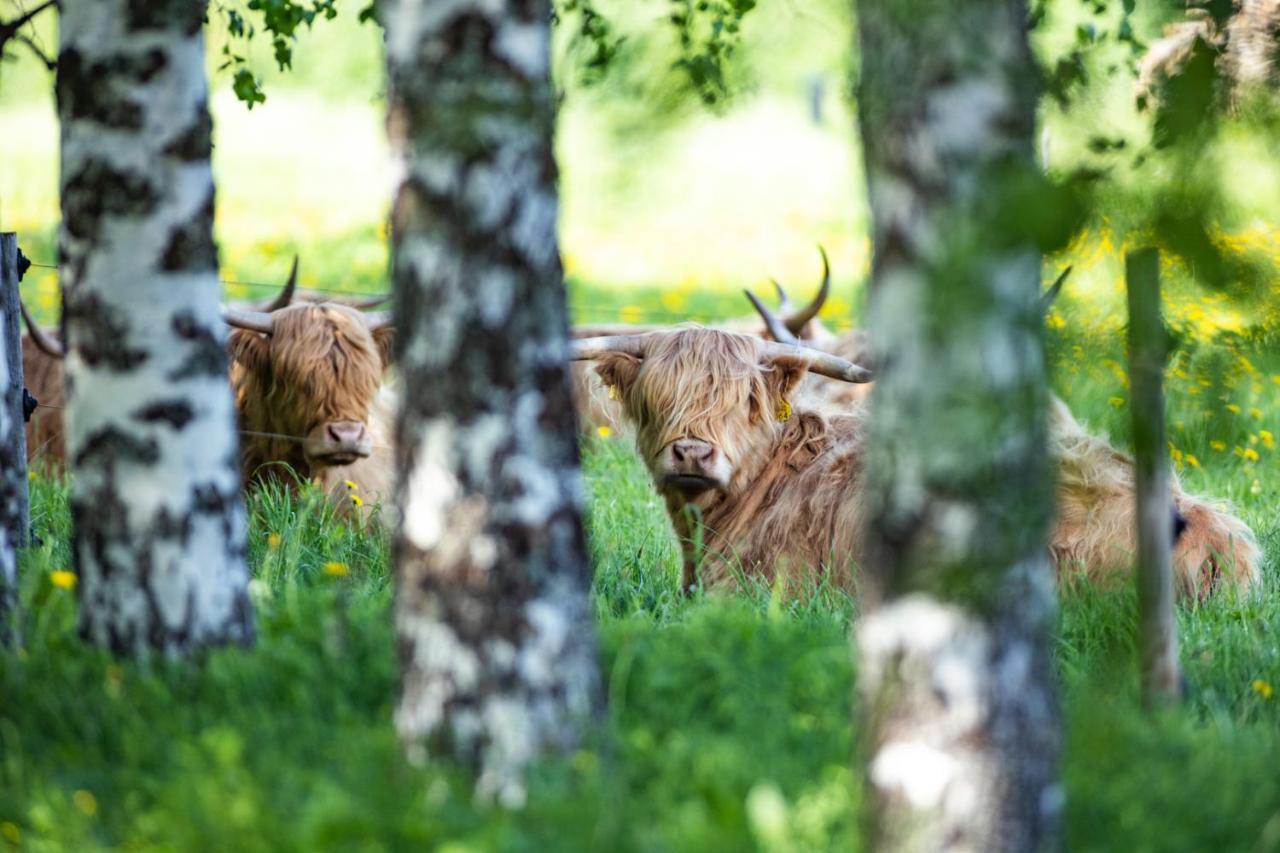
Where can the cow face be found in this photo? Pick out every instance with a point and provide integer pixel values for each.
(313, 376)
(706, 406)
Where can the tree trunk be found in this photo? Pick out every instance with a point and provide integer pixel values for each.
(156, 501)
(497, 646)
(14, 518)
(1148, 349)
(959, 709)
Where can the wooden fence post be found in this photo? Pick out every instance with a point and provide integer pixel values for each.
(1148, 351)
(14, 517)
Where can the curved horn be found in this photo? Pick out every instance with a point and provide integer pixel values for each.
(40, 337)
(777, 329)
(585, 349)
(799, 319)
(254, 321)
(366, 304)
(784, 301)
(376, 320)
(1046, 300)
(286, 295)
(603, 330)
(821, 363)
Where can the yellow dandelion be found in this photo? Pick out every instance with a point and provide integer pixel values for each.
(1218, 445)
(1262, 688)
(356, 500)
(603, 431)
(337, 570)
(85, 802)
(1268, 440)
(1116, 401)
(351, 485)
(674, 300)
(63, 579)
(631, 314)
(1055, 321)
(273, 540)
(31, 475)
(1250, 454)
(1233, 408)
(1255, 413)
(1192, 460)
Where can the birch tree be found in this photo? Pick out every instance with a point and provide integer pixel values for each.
(159, 523)
(498, 652)
(959, 712)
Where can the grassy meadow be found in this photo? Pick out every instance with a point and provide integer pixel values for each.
(730, 719)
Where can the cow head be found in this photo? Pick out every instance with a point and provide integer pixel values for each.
(706, 404)
(308, 374)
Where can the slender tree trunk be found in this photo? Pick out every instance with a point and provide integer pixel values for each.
(156, 501)
(959, 710)
(1148, 350)
(14, 517)
(497, 646)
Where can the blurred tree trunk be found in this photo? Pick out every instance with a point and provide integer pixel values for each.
(1148, 353)
(497, 645)
(959, 710)
(14, 515)
(159, 522)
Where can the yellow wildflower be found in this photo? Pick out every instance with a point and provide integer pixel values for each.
(1250, 454)
(1218, 445)
(1262, 688)
(1233, 408)
(337, 570)
(1268, 440)
(273, 541)
(357, 500)
(603, 431)
(1055, 321)
(1255, 413)
(673, 300)
(1192, 460)
(631, 314)
(31, 475)
(63, 579)
(1116, 401)
(85, 802)
(1175, 454)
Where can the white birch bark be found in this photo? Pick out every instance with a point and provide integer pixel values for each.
(959, 713)
(14, 516)
(156, 503)
(497, 645)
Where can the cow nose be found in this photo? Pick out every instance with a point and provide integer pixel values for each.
(345, 432)
(692, 452)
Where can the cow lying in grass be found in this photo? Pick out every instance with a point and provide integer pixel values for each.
(754, 487)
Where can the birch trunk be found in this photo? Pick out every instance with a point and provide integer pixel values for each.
(959, 710)
(14, 518)
(156, 502)
(497, 646)
(1148, 351)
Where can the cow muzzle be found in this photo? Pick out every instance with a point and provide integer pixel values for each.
(337, 443)
(693, 467)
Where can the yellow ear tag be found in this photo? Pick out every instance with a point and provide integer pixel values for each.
(613, 392)
(784, 410)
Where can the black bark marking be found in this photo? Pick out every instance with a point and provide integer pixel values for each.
(109, 444)
(101, 333)
(105, 90)
(207, 355)
(196, 142)
(191, 247)
(187, 16)
(98, 190)
(176, 413)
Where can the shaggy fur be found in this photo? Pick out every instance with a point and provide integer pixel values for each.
(46, 441)
(320, 365)
(793, 505)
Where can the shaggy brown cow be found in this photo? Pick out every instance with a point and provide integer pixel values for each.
(306, 379)
(42, 374)
(778, 490)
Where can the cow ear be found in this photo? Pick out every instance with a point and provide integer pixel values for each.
(618, 370)
(384, 338)
(784, 374)
(249, 349)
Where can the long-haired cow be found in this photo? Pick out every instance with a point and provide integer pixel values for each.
(754, 485)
